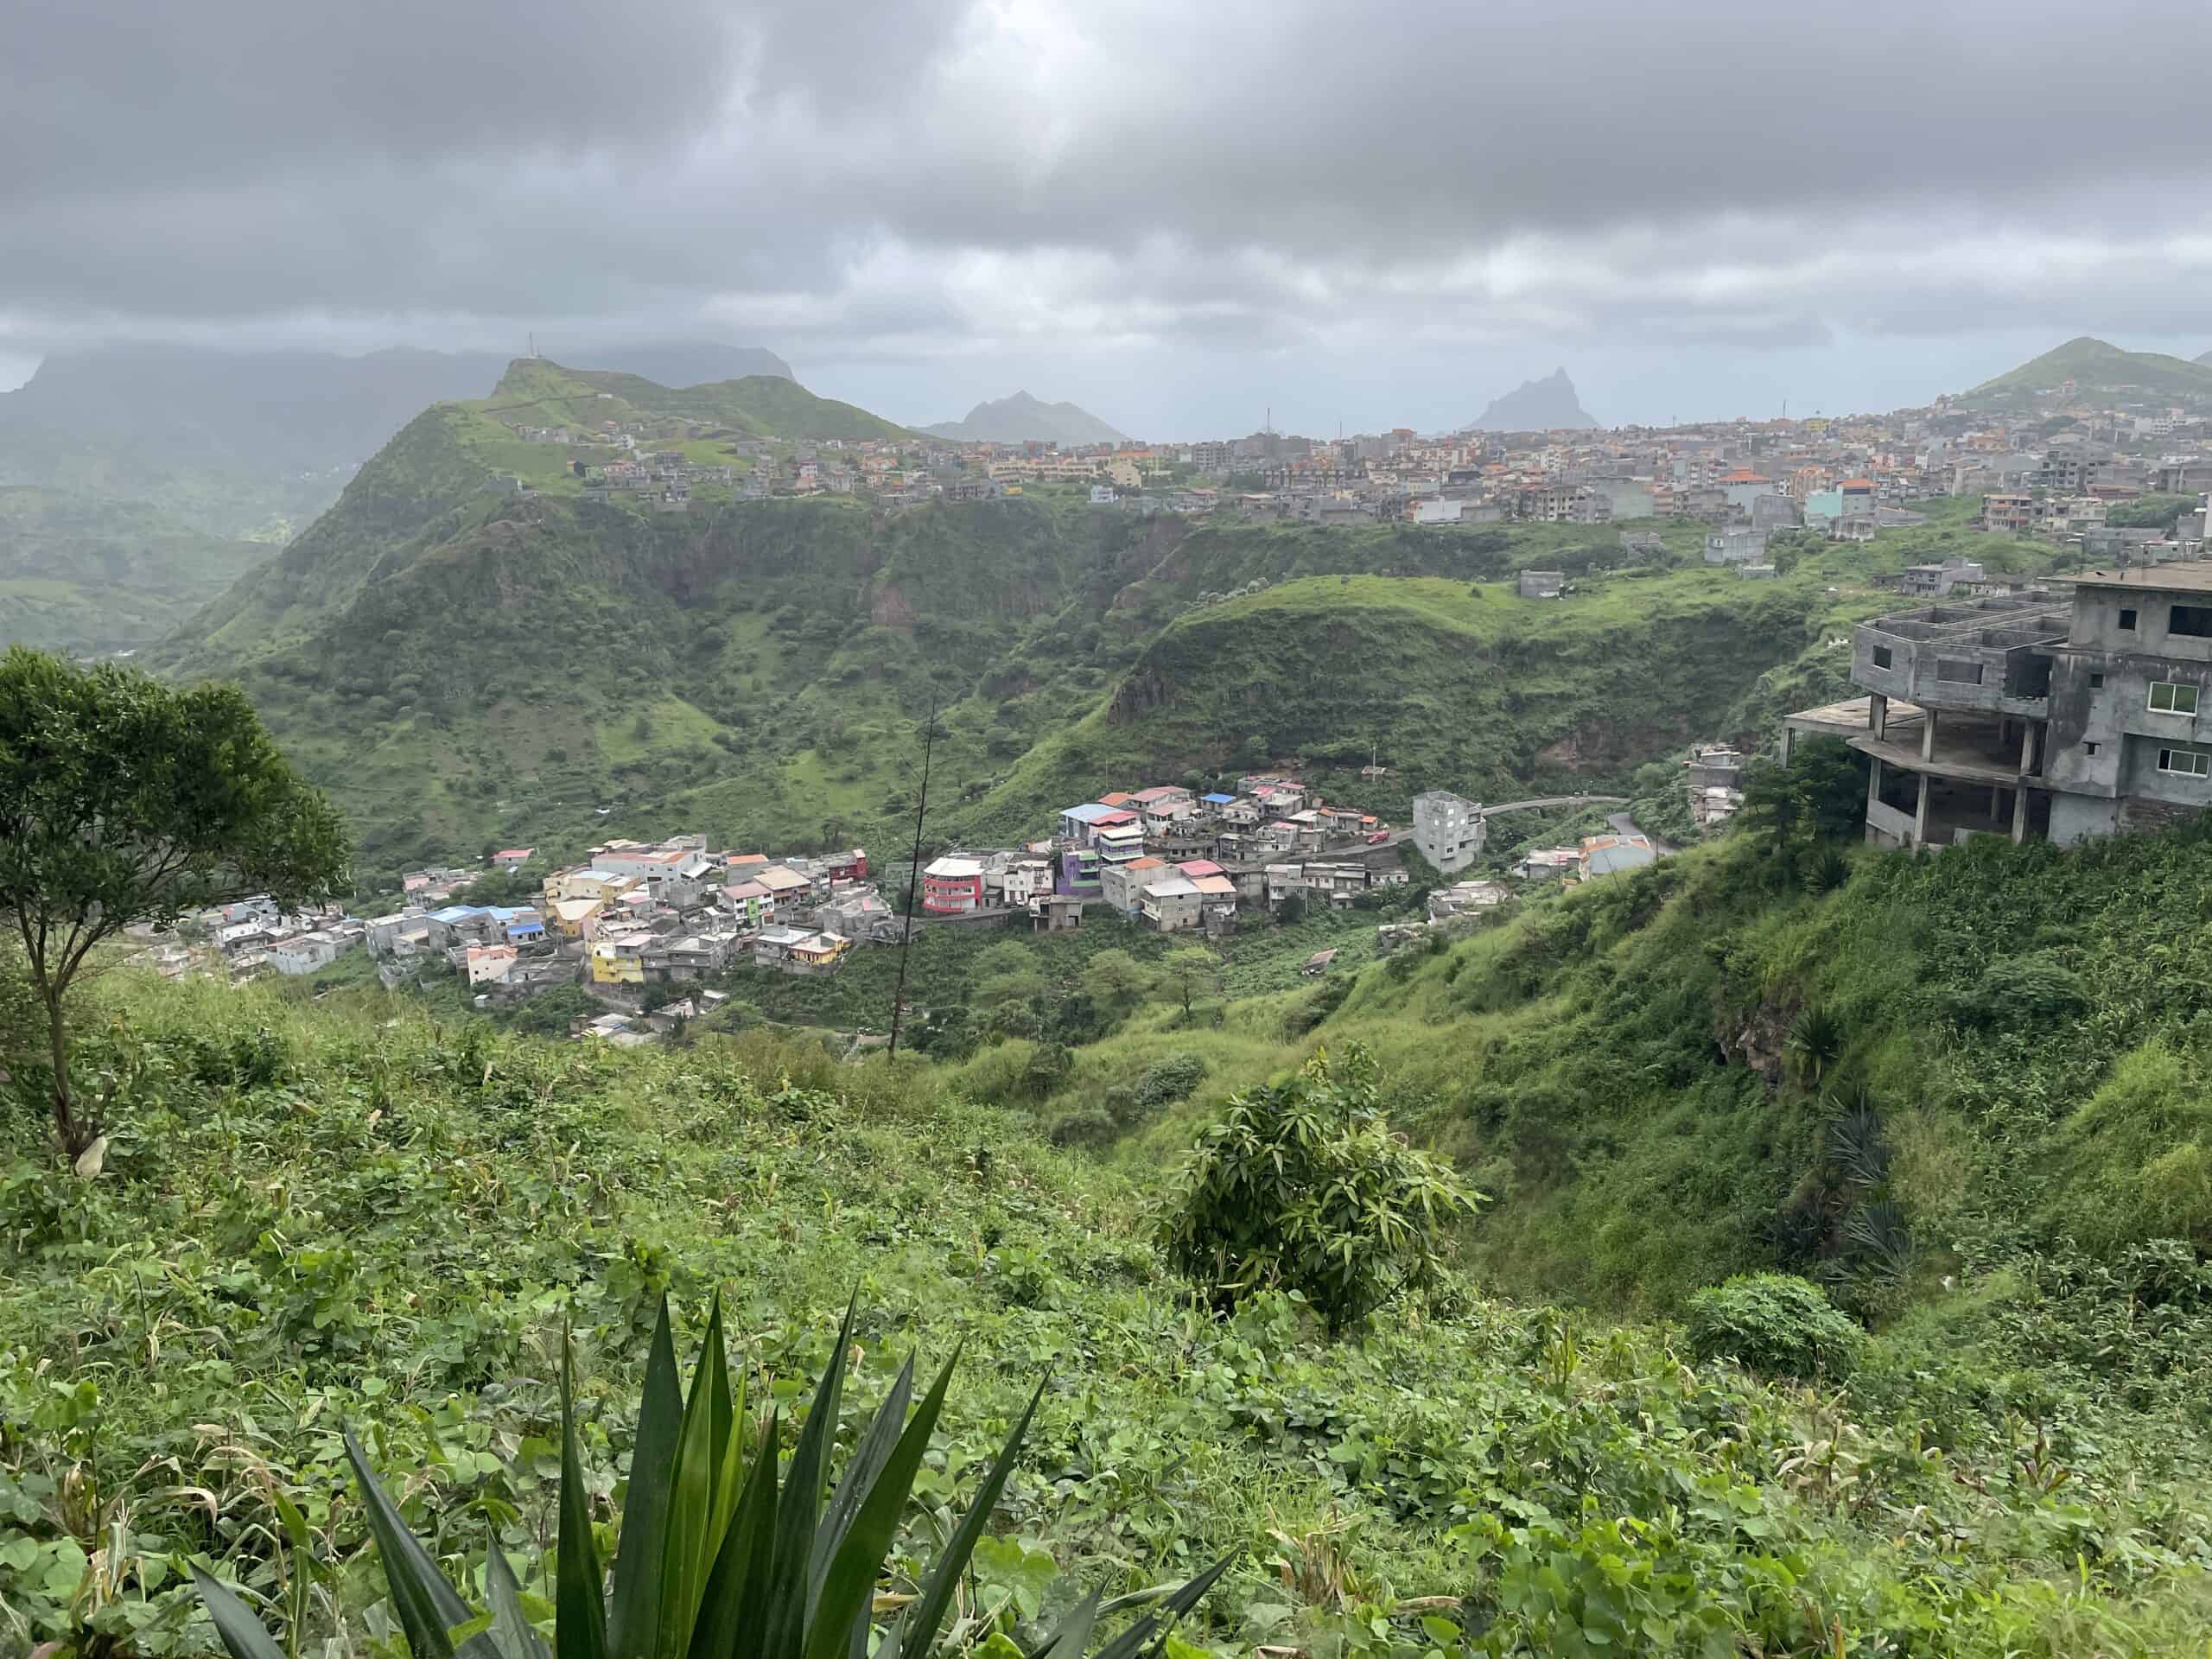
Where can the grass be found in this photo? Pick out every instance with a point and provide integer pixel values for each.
(349, 1213)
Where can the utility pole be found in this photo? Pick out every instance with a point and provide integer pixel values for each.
(913, 876)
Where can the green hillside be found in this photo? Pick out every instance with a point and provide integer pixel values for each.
(342, 1214)
(2100, 373)
(87, 574)
(462, 666)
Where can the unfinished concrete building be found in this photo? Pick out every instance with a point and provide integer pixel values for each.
(2034, 716)
(1449, 830)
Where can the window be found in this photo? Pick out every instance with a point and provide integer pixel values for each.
(1883, 659)
(2097, 682)
(2128, 619)
(1958, 673)
(2172, 697)
(2194, 622)
(2088, 748)
(2185, 763)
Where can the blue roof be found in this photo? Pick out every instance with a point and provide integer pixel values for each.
(455, 912)
(1217, 800)
(1088, 812)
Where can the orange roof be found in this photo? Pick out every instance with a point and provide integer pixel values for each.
(1856, 483)
(1745, 475)
(1114, 800)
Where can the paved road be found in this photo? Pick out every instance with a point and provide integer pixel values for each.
(1627, 826)
(1558, 800)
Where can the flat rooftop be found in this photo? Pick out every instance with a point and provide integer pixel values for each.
(1845, 719)
(2183, 576)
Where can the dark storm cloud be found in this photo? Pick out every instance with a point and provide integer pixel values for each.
(885, 179)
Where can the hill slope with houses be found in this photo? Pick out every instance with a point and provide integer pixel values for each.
(587, 603)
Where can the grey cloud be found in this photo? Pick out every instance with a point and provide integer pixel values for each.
(1278, 182)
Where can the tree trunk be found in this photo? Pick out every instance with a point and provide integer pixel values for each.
(75, 1135)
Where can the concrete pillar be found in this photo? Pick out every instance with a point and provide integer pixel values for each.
(2019, 816)
(1788, 745)
(1996, 803)
(1873, 785)
(1878, 716)
(1920, 815)
(2027, 745)
(1928, 734)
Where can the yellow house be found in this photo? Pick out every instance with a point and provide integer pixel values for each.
(1122, 473)
(612, 965)
(586, 884)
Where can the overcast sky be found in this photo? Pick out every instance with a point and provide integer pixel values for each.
(1175, 214)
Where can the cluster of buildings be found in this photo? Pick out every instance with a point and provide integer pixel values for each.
(636, 914)
(251, 937)
(1173, 858)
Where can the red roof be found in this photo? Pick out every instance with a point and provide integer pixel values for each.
(513, 852)
(1198, 867)
(1113, 817)
(1114, 800)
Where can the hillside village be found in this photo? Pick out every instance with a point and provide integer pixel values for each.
(678, 915)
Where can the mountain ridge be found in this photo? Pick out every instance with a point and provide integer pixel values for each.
(2098, 369)
(1020, 417)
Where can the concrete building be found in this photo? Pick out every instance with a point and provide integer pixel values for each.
(1449, 830)
(2034, 716)
(1736, 547)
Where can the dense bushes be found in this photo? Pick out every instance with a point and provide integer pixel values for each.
(1304, 1187)
(1774, 1323)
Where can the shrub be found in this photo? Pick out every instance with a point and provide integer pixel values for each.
(1775, 1323)
(1167, 1081)
(1303, 1186)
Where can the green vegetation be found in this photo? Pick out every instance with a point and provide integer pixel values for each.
(1775, 1323)
(2100, 373)
(122, 801)
(460, 665)
(1304, 1187)
(87, 573)
(348, 1217)
(713, 1559)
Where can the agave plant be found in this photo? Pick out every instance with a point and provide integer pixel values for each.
(1815, 1037)
(717, 1559)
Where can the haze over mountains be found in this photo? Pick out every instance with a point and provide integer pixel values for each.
(1547, 405)
(1021, 418)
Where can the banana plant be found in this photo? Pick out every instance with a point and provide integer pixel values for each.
(717, 1559)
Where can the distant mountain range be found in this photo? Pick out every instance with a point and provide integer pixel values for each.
(2099, 370)
(1545, 405)
(1020, 418)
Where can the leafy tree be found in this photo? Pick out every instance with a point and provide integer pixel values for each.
(124, 800)
(1303, 1185)
(1793, 811)
(1191, 970)
(1116, 975)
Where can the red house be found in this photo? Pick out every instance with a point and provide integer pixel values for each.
(952, 887)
